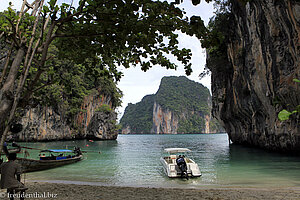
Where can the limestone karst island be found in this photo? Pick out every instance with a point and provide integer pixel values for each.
(179, 106)
(148, 99)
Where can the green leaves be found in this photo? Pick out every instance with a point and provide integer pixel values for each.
(104, 108)
(52, 4)
(120, 35)
(46, 9)
(285, 115)
(8, 25)
(296, 80)
(8, 20)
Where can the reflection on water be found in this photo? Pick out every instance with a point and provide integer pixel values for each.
(133, 160)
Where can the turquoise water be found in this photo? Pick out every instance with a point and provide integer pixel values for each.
(133, 160)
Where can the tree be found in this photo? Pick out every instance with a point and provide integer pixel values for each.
(107, 33)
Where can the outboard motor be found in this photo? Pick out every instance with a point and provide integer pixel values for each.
(182, 166)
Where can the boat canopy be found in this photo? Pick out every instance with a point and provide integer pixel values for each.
(177, 150)
(58, 150)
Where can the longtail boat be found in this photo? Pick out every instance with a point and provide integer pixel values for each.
(50, 159)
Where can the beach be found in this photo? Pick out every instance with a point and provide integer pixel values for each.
(45, 190)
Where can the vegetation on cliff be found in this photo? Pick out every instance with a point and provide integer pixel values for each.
(188, 100)
(71, 84)
(193, 124)
(180, 94)
(139, 116)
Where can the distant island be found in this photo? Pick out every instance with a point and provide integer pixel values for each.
(179, 106)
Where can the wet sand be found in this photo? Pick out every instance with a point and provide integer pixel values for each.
(44, 190)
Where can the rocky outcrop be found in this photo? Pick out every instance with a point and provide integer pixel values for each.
(256, 82)
(102, 126)
(90, 105)
(41, 124)
(45, 124)
(167, 122)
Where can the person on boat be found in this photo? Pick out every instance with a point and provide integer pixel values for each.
(77, 151)
(180, 160)
(9, 171)
(181, 164)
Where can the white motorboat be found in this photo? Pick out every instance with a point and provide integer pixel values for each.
(176, 164)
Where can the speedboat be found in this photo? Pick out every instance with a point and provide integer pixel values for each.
(176, 164)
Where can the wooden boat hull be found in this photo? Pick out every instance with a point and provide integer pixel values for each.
(31, 165)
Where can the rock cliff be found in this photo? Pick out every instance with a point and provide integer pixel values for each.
(164, 120)
(256, 80)
(102, 126)
(45, 124)
(179, 106)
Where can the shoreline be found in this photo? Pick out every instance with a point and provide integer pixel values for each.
(46, 190)
(9, 140)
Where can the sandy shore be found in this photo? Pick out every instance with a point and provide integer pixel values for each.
(44, 190)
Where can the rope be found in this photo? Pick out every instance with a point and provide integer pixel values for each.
(31, 148)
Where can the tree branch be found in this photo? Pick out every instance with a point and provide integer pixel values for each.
(14, 37)
(6, 65)
(30, 6)
(69, 17)
(74, 36)
(42, 86)
(20, 15)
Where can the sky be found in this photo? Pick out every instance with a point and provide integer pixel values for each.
(135, 83)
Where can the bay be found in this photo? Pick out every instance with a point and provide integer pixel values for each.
(133, 160)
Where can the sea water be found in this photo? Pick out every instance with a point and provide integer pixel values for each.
(133, 160)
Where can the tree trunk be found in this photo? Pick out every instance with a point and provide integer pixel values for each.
(7, 91)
